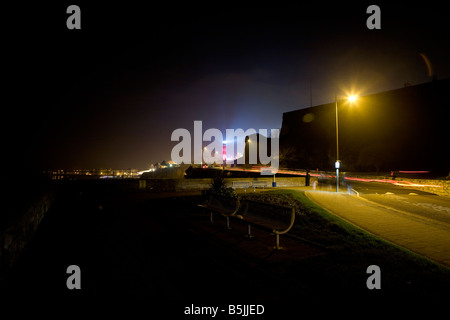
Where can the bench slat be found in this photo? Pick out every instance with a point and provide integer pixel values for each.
(222, 204)
(278, 218)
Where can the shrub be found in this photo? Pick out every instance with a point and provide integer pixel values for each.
(218, 186)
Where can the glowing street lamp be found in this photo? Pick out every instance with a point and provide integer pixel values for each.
(337, 164)
(352, 98)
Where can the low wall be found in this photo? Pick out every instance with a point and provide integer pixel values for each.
(19, 231)
(174, 185)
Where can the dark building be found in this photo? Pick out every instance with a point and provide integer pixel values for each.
(251, 150)
(403, 129)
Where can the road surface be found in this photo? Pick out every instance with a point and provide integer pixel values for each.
(421, 204)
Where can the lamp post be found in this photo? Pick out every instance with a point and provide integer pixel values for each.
(337, 164)
(201, 162)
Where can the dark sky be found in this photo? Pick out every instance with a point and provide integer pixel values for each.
(110, 95)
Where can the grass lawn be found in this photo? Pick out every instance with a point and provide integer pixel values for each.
(350, 251)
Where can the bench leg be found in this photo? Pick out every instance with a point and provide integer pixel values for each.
(277, 246)
(228, 223)
(249, 232)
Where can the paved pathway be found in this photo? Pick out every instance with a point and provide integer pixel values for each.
(423, 236)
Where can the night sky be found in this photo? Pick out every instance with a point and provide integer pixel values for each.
(110, 95)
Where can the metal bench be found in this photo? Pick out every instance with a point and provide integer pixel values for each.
(241, 184)
(259, 184)
(226, 206)
(274, 218)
